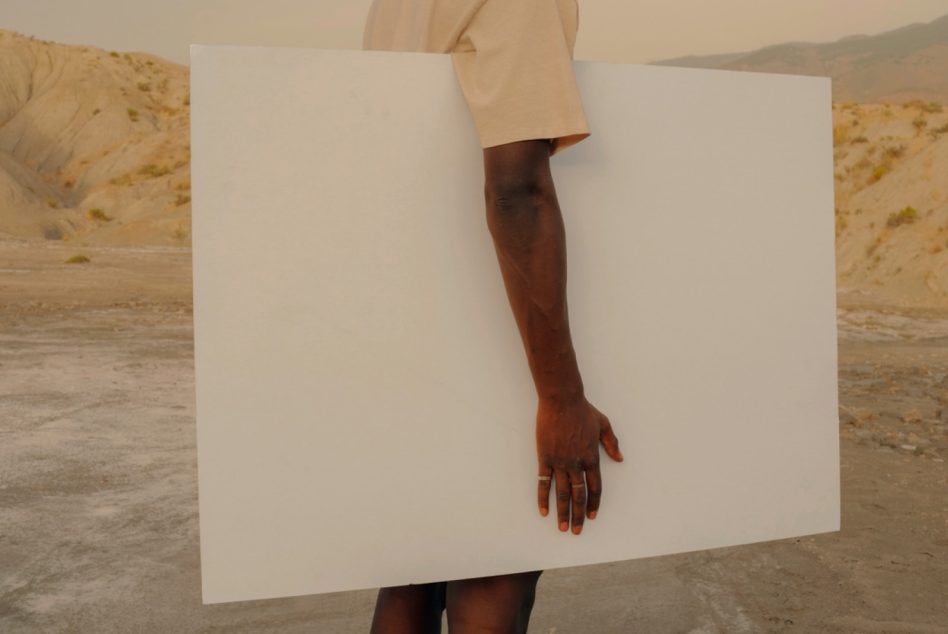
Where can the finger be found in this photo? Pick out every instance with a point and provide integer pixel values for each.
(562, 499)
(577, 484)
(543, 490)
(593, 490)
(610, 442)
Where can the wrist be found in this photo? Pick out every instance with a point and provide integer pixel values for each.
(561, 395)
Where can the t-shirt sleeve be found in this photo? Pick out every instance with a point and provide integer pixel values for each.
(514, 63)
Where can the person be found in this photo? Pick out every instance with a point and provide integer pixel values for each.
(513, 62)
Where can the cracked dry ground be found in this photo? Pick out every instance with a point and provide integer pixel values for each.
(98, 488)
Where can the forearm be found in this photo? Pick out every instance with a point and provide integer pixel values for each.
(530, 240)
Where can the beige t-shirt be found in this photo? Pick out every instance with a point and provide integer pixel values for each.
(513, 60)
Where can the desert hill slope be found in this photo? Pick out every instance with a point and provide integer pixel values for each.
(891, 171)
(94, 150)
(900, 65)
(93, 144)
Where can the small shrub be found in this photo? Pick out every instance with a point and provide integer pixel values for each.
(181, 199)
(840, 223)
(895, 151)
(183, 185)
(154, 171)
(126, 179)
(52, 202)
(97, 214)
(78, 259)
(878, 173)
(931, 106)
(144, 86)
(919, 122)
(179, 163)
(840, 134)
(187, 100)
(860, 139)
(905, 215)
(113, 54)
(96, 111)
(133, 114)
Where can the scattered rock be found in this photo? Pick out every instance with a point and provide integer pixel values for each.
(912, 416)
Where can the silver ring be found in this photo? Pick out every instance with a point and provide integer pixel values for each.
(581, 484)
(545, 477)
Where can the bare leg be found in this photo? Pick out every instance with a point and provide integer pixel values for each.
(411, 609)
(491, 605)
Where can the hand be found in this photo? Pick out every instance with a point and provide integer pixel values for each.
(568, 437)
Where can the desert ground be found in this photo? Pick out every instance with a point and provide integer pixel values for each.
(98, 481)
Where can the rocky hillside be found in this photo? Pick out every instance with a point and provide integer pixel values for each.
(94, 144)
(94, 149)
(900, 65)
(891, 171)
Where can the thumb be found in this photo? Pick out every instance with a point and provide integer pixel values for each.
(610, 442)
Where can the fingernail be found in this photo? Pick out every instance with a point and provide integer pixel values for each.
(563, 526)
(577, 530)
(544, 512)
(592, 515)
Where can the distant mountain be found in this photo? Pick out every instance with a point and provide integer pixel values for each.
(897, 66)
(94, 144)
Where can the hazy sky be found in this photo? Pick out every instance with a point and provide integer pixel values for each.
(631, 31)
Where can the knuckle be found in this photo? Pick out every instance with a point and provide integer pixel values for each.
(562, 496)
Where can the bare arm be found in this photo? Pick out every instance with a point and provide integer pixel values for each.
(526, 225)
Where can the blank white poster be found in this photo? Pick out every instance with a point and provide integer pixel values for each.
(365, 411)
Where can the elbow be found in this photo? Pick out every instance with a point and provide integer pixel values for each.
(514, 207)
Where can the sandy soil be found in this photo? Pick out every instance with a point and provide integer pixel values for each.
(98, 491)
